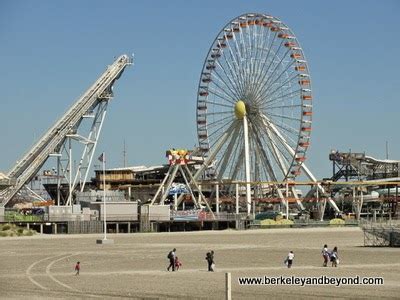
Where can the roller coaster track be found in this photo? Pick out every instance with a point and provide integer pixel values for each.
(96, 97)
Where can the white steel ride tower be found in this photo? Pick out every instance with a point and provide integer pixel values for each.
(57, 140)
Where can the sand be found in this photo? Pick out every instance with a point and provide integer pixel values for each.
(42, 267)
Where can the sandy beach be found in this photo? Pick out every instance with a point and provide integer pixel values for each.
(42, 267)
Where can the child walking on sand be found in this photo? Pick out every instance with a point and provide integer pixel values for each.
(77, 268)
(178, 263)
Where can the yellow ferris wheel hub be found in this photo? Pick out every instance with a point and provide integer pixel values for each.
(240, 109)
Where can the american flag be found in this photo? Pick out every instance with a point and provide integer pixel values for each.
(102, 157)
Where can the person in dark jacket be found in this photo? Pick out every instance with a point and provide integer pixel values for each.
(171, 257)
(210, 260)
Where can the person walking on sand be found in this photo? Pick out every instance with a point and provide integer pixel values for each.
(210, 261)
(77, 268)
(171, 256)
(325, 255)
(334, 257)
(289, 259)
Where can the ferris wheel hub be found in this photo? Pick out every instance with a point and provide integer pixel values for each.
(240, 109)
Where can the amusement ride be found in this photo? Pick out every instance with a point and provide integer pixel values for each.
(254, 105)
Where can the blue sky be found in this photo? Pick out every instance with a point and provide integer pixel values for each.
(52, 51)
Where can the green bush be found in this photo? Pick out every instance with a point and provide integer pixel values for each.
(337, 221)
(284, 222)
(30, 232)
(14, 230)
(6, 227)
(267, 222)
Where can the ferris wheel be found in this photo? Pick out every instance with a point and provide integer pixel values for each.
(254, 105)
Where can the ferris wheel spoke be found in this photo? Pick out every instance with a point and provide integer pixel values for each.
(246, 57)
(228, 154)
(220, 113)
(285, 106)
(259, 51)
(232, 84)
(268, 79)
(283, 117)
(288, 95)
(220, 95)
(264, 90)
(279, 87)
(214, 123)
(279, 155)
(215, 135)
(250, 59)
(215, 93)
(236, 162)
(234, 70)
(239, 162)
(253, 61)
(267, 66)
(232, 90)
(255, 77)
(266, 160)
(243, 63)
(263, 62)
(260, 44)
(284, 91)
(232, 94)
(283, 158)
(232, 74)
(287, 157)
(284, 71)
(253, 38)
(289, 149)
(227, 169)
(287, 130)
(219, 104)
(277, 65)
(241, 50)
(239, 59)
(287, 133)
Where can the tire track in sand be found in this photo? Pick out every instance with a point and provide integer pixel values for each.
(49, 274)
(29, 269)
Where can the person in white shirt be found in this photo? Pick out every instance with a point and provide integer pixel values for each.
(325, 255)
(289, 259)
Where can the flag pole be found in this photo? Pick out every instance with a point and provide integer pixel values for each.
(102, 158)
(104, 196)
